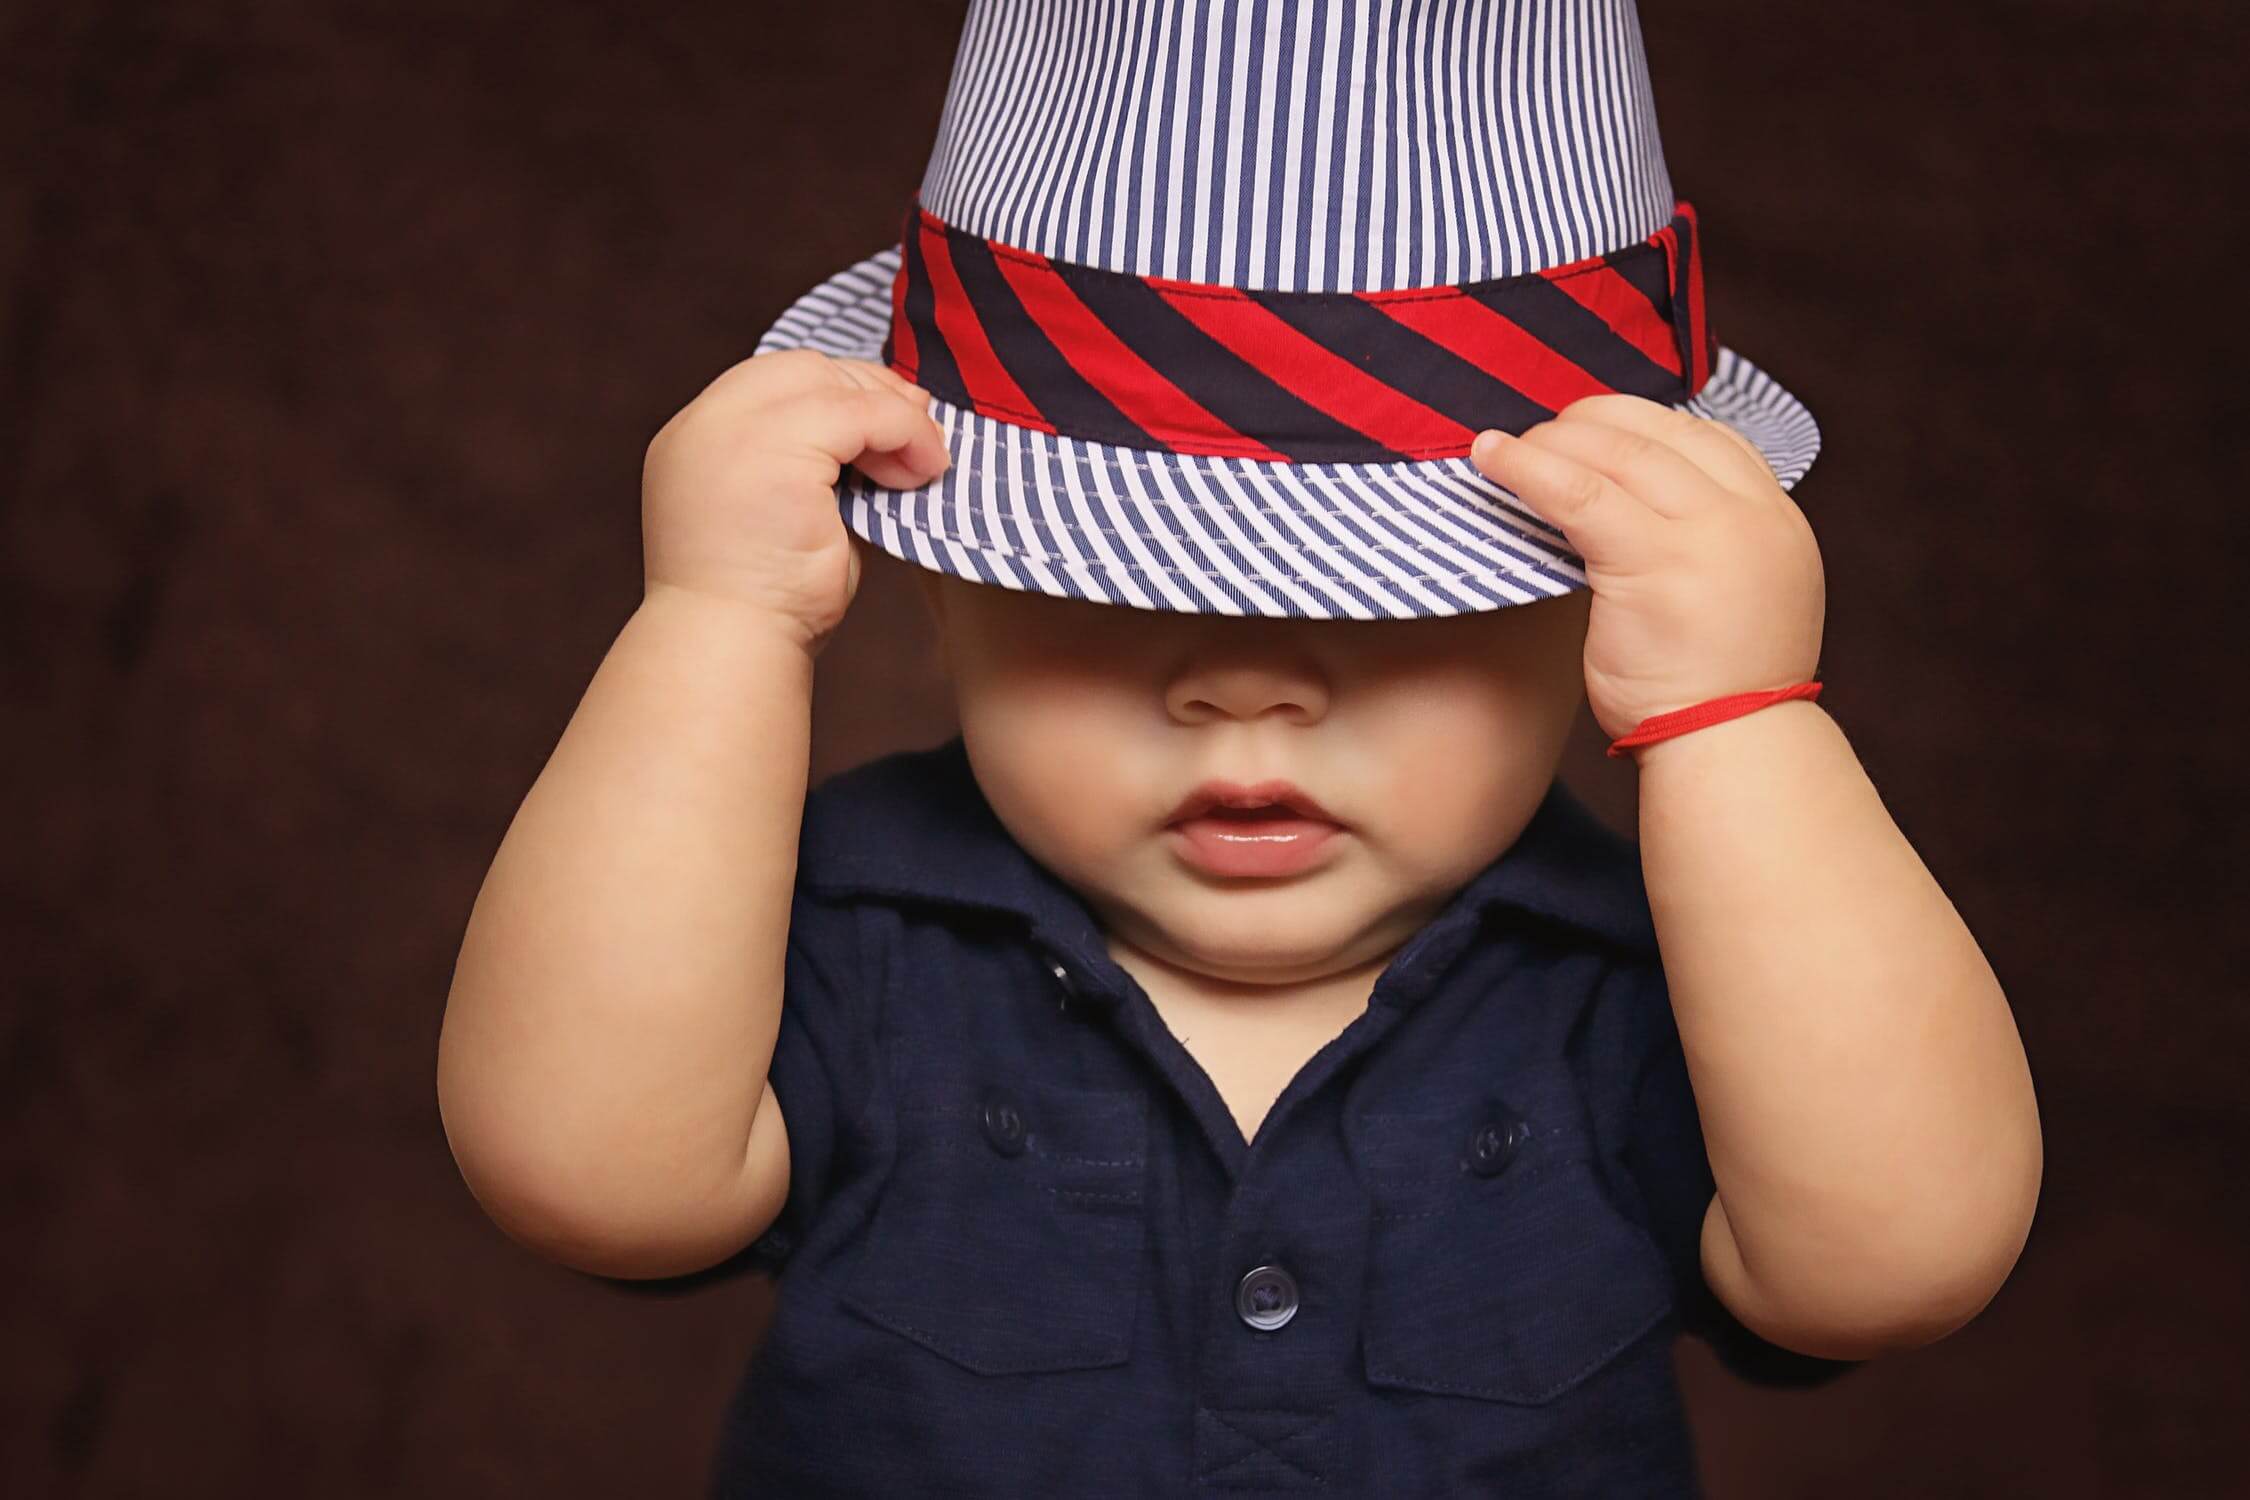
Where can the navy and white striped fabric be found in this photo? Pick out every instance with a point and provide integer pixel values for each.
(1282, 145)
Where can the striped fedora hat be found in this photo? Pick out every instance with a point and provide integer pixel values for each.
(1212, 295)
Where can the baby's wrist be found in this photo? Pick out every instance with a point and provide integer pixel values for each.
(735, 618)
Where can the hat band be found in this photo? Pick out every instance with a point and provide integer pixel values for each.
(1290, 377)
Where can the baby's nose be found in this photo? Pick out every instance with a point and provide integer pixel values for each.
(1239, 688)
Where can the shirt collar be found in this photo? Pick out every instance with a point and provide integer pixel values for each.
(916, 825)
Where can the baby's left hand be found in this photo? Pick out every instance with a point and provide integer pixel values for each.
(1705, 574)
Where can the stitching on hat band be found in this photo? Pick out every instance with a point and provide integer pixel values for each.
(1403, 375)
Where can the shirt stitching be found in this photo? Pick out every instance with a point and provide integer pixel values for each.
(1270, 1448)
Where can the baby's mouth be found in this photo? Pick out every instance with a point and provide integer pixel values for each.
(1270, 841)
(1274, 798)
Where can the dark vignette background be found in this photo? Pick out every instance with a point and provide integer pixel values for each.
(332, 337)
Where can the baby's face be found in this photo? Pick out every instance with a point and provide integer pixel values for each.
(1431, 741)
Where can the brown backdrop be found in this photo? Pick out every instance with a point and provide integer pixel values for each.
(332, 338)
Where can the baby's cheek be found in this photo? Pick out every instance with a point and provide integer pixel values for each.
(1458, 788)
(1053, 774)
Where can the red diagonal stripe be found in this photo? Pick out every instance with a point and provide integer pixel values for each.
(1490, 341)
(992, 389)
(1700, 364)
(1136, 387)
(1314, 374)
(1617, 302)
(905, 356)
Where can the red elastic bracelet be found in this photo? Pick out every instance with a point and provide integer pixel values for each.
(1700, 715)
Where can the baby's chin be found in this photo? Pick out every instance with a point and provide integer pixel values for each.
(1273, 937)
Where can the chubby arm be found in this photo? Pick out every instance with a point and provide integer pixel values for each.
(1865, 1099)
(621, 975)
(622, 978)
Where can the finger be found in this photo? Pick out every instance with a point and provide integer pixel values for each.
(874, 376)
(1602, 522)
(1648, 468)
(1713, 446)
(893, 472)
(889, 377)
(864, 425)
(915, 462)
(1761, 467)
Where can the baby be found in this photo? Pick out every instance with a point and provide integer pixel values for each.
(1234, 1061)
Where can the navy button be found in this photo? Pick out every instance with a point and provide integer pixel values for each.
(1266, 1297)
(1069, 986)
(1493, 1144)
(1003, 1122)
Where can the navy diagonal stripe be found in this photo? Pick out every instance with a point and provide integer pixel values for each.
(1062, 395)
(1389, 351)
(1235, 391)
(934, 368)
(1643, 265)
(1558, 320)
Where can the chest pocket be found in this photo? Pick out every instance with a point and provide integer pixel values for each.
(1010, 1237)
(1498, 1267)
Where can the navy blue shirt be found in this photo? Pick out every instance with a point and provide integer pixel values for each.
(1027, 1252)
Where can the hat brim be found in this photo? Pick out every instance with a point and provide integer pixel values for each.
(1197, 534)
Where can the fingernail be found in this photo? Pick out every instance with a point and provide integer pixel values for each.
(1487, 443)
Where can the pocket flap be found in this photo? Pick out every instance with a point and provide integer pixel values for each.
(1498, 1265)
(1009, 1237)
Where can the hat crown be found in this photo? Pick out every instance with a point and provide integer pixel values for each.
(1303, 145)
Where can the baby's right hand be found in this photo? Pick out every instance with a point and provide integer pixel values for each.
(738, 491)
